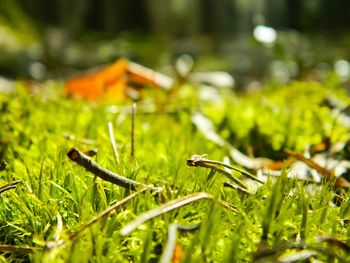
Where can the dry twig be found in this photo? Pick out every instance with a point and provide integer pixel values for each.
(236, 187)
(77, 156)
(9, 186)
(335, 242)
(339, 181)
(199, 160)
(16, 249)
(174, 204)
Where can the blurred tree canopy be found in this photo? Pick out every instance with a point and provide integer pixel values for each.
(40, 36)
(183, 17)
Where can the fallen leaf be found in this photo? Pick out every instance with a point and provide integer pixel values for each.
(112, 82)
(108, 80)
(177, 254)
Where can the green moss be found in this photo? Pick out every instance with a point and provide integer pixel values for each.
(33, 139)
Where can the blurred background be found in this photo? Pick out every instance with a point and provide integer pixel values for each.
(255, 41)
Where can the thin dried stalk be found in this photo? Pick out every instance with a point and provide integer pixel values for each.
(335, 242)
(172, 205)
(241, 171)
(9, 186)
(339, 181)
(108, 211)
(113, 144)
(103, 214)
(266, 255)
(199, 160)
(299, 256)
(57, 241)
(17, 249)
(77, 156)
(59, 228)
(236, 187)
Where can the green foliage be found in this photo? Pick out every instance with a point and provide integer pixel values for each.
(34, 144)
(292, 116)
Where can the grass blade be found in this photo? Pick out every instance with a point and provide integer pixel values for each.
(174, 204)
(113, 144)
(103, 214)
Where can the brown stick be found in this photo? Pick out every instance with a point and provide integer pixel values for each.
(339, 181)
(335, 242)
(9, 186)
(77, 156)
(311, 163)
(16, 249)
(199, 160)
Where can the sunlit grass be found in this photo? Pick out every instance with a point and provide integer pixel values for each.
(34, 142)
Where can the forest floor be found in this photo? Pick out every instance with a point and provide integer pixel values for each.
(99, 182)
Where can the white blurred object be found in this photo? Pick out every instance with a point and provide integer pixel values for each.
(160, 79)
(342, 69)
(184, 65)
(37, 70)
(7, 86)
(264, 34)
(283, 71)
(213, 78)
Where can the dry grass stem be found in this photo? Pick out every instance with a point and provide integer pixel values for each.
(78, 157)
(113, 144)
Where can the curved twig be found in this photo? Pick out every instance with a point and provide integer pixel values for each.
(78, 157)
(9, 186)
